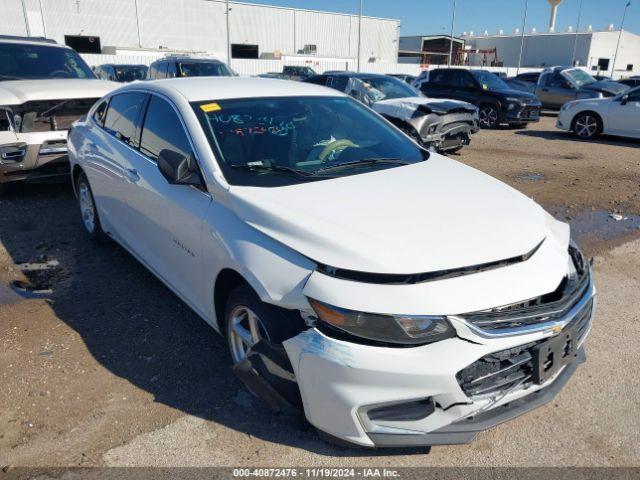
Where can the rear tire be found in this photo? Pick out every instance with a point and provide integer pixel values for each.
(88, 211)
(587, 125)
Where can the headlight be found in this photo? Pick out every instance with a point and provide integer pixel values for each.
(513, 103)
(400, 329)
(568, 106)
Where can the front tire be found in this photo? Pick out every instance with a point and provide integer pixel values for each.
(489, 116)
(587, 125)
(88, 211)
(244, 322)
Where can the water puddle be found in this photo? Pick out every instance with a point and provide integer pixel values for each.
(531, 176)
(598, 225)
(40, 280)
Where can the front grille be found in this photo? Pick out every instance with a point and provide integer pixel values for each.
(530, 113)
(508, 369)
(51, 115)
(546, 308)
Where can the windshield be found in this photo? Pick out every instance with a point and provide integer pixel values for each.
(204, 69)
(129, 74)
(579, 77)
(28, 62)
(388, 88)
(489, 81)
(286, 140)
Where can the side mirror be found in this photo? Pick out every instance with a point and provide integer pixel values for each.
(624, 99)
(179, 169)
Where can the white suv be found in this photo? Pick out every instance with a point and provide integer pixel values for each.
(44, 88)
(397, 296)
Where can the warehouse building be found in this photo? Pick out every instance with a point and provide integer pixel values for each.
(256, 31)
(594, 50)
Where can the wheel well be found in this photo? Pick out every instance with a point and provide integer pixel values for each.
(590, 112)
(227, 280)
(76, 171)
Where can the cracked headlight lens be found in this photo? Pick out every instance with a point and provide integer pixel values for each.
(400, 329)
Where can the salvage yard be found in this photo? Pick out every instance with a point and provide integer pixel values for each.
(101, 365)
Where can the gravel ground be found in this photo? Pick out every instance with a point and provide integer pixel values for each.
(104, 366)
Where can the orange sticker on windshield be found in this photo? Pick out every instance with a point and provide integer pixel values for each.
(210, 107)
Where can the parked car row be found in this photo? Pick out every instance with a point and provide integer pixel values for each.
(395, 296)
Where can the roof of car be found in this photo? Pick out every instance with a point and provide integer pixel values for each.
(185, 58)
(197, 89)
(121, 65)
(30, 40)
(356, 74)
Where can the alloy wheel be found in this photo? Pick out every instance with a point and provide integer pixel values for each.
(87, 208)
(245, 331)
(488, 117)
(586, 126)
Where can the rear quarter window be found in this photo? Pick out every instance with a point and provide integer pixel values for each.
(123, 116)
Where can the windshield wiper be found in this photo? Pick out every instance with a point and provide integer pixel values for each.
(362, 162)
(9, 77)
(272, 168)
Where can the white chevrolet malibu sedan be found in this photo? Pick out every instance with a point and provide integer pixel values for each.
(398, 297)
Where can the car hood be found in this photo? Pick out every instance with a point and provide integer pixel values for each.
(17, 92)
(430, 216)
(521, 94)
(406, 107)
(607, 86)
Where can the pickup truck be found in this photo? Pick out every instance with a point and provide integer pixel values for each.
(291, 72)
(44, 88)
(559, 85)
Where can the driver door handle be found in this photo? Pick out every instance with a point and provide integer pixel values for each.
(131, 174)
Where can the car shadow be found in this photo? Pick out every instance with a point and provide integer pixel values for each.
(136, 328)
(562, 135)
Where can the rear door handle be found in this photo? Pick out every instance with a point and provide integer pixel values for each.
(132, 174)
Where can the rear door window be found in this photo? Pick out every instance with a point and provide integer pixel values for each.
(163, 130)
(123, 116)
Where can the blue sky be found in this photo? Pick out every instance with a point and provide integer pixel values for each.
(420, 17)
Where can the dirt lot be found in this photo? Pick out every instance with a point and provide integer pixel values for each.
(104, 366)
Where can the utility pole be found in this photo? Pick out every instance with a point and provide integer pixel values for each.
(26, 19)
(453, 25)
(524, 25)
(575, 41)
(615, 57)
(228, 36)
(359, 33)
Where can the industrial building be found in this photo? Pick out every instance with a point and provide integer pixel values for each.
(256, 31)
(595, 50)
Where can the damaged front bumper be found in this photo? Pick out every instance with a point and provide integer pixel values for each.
(441, 393)
(447, 132)
(37, 156)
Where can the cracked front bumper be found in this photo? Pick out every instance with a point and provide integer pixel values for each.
(342, 382)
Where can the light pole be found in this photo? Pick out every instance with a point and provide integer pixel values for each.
(26, 19)
(524, 25)
(228, 36)
(575, 41)
(359, 32)
(615, 57)
(453, 25)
